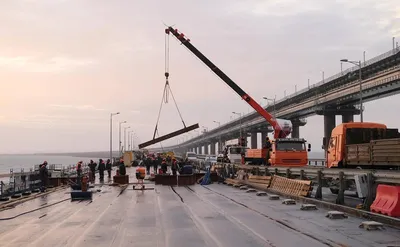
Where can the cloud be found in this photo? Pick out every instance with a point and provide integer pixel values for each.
(131, 48)
(277, 7)
(78, 107)
(47, 65)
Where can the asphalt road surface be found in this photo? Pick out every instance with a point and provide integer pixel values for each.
(195, 216)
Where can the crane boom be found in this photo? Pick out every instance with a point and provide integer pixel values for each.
(279, 131)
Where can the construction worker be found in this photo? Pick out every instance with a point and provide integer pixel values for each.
(267, 146)
(164, 166)
(147, 163)
(141, 174)
(159, 159)
(122, 168)
(43, 172)
(79, 172)
(109, 167)
(102, 167)
(174, 166)
(168, 159)
(92, 174)
(155, 164)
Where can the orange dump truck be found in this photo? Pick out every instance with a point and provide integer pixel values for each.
(283, 152)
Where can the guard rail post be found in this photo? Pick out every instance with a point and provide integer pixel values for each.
(288, 173)
(370, 197)
(302, 177)
(340, 196)
(267, 173)
(318, 193)
(276, 171)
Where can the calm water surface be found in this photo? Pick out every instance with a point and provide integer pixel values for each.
(18, 161)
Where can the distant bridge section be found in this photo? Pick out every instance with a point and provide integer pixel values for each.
(336, 95)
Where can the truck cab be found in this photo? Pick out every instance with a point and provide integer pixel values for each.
(289, 152)
(283, 152)
(350, 144)
(234, 153)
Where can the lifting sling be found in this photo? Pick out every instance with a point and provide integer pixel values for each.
(167, 91)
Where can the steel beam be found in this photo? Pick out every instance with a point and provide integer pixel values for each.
(168, 136)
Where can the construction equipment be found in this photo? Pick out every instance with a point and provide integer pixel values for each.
(363, 145)
(81, 192)
(166, 92)
(280, 131)
(293, 152)
(283, 152)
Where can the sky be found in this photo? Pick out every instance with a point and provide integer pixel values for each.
(65, 65)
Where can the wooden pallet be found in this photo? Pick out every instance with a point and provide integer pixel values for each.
(230, 181)
(264, 180)
(290, 186)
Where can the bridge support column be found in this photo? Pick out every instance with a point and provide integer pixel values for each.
(329, 125)
(296, 131)
(253, 140)
(212, 148)
(296, 126)
(206, 149)
(198, 150)
(347, 118)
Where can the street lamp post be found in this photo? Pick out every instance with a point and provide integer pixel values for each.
(133, 140)
(125, 128)
(129, 140)
(273, 100)
(119, 130)
(360, 83)
(111, 115)
(240, 114)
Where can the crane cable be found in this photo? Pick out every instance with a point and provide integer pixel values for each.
(167, 90)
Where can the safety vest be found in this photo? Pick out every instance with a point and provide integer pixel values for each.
(141, 171)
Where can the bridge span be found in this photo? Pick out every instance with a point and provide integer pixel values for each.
(336, 95)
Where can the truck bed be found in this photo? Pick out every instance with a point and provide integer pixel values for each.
(256, 153)
(385, 152)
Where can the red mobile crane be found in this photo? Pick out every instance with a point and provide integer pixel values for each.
(284, 151)
(279, 132)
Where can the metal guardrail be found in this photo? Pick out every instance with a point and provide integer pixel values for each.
(380, 176)
(311, 161)
(22, 180)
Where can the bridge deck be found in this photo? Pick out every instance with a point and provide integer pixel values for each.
(215, 215)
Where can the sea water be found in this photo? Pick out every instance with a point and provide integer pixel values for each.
(28, 161)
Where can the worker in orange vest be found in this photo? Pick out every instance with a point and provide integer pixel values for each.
(140, 175)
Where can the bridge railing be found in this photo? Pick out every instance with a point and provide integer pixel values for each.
(380, 176)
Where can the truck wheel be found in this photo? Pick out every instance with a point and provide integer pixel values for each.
(334, 191)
